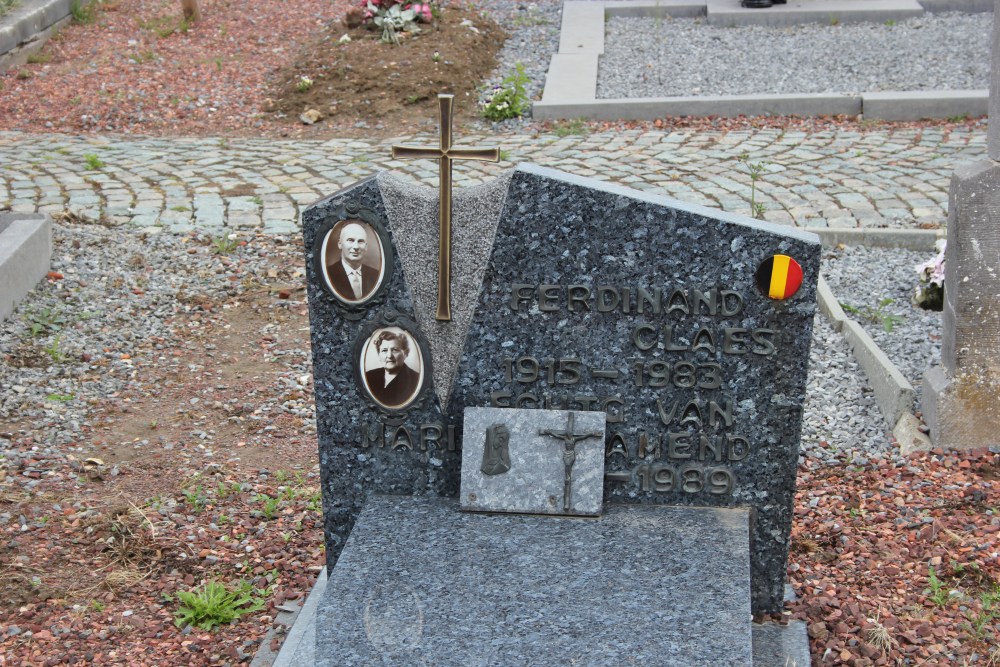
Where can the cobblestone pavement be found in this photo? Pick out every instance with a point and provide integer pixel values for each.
(837, 178)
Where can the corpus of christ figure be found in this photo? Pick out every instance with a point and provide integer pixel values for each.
(445, 154)
(569, 440)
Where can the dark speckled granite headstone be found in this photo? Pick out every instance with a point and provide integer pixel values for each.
(374, 438)
(597, 297)
(567, 294)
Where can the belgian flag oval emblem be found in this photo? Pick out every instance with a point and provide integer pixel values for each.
(779, 277)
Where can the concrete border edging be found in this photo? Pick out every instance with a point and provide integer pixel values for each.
(908, 239)
(920, 104)
(25, 254)
(25, 29)
(893, 393)
(551, 107)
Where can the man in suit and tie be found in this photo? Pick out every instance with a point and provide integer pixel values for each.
(394, 383)
(351, 279)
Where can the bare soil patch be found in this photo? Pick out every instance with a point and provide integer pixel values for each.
(394, 85)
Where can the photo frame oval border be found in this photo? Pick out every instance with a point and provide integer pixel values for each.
(354, 310)
(386, 319)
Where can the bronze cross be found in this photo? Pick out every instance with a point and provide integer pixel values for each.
(569, 440)
(445, 154)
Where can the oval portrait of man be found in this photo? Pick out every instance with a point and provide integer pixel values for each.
(353, 261)
(393, 367)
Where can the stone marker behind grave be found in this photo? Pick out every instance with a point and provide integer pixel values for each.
(690, 328)
(521, 461)
(962, 396)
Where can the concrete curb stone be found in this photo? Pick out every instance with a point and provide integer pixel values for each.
(893, 393)
(25, 28)
(25, 253)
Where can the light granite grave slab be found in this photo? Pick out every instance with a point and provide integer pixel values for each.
(536, 461)
(421, 583)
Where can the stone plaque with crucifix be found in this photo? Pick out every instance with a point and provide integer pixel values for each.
(535, 461)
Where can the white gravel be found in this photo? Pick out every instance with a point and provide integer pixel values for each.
(647, 57)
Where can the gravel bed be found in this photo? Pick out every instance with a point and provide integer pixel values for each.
(84, 336)
(840, 414)
(646, 57)
(534, 37)
(876, 285)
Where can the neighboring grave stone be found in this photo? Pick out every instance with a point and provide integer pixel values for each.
(962, 396)
(421, 583)
(690, 328)
(25, 255)
(535, 461)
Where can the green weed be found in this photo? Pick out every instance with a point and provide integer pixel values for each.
(44, 321)
(164, 26)
(196, 498)
(876, 315)
(270, 505)
(570, 127)
(7, 5)
(223, 245)
(83, 13)
(57, 355)
(39, 58)
(755, 169)
(62, 398)
(143, 57)
(937, 590)
(93, 162)
(214, 604)
(510, 98)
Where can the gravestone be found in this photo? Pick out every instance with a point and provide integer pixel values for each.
(688, 328)
(962, 395)
(25, 255)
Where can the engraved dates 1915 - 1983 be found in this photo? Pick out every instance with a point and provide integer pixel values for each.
(526, 369)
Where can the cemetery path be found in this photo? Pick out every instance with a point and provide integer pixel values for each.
(841, 178)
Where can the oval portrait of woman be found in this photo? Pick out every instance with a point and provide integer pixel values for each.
(353, 261)
(393, 367)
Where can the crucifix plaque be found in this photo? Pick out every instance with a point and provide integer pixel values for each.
(445, 154)
(569, 440)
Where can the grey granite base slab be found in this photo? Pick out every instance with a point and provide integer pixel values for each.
(421, 583)
(516, 468)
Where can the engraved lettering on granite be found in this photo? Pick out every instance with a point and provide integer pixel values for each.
(445, 154)
(569, 440)
(496, 452)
